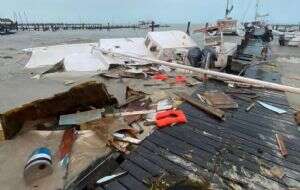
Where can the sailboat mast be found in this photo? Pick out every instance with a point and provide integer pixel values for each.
(256, 10)
(226, 12)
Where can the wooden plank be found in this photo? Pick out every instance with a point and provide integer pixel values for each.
(151, 151)
(225, 167)
(255, 138)
(249, 128)
(130, 182)
(208, 109)
(150, 167)
(137, 172)
(231, 159)
(237, 150)
(114, 185)
(256, 149)
(246, 132)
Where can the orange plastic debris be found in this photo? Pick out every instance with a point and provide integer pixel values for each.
(180, 79)
(170, 117)
(160, 76)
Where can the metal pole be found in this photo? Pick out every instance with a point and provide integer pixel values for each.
(152, 26)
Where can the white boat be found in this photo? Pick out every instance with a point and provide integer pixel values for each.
(292, 38)
(171, 46)
(165, 45)
(231, 27)
(213, 39)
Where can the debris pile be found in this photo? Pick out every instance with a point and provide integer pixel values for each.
(90, 116)
(79, 137)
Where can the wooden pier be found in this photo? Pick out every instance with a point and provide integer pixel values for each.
(7, 26)
(78, 26)
(286, 27)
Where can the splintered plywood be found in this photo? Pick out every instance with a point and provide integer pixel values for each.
(219, 100)
(80, 97)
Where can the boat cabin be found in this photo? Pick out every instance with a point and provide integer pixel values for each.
(163, 45)
(169, 45)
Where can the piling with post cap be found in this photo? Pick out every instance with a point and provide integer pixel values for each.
(188, 28)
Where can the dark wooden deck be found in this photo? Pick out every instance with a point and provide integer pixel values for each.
(239, 151)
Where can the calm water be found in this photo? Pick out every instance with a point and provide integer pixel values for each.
(27, 39)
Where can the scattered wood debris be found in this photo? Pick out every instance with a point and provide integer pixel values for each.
(208, 109)
(220, 100)
(281, 145)
(297, 117)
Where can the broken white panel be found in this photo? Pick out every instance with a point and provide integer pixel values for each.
(272, 108)
(84, 62)
(171, 39)
(132, 46)
(50, 55)
(80, 117)
(125, 138)
(164, 105)
(110, 177)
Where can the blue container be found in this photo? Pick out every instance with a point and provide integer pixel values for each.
(39, 164)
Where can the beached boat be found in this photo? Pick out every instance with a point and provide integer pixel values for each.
(258, 27)
(292, 38)
(171, 46)
(214, 42)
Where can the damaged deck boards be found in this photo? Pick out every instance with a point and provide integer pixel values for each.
(240, 151)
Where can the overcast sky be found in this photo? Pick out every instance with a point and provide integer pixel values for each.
(130, 11)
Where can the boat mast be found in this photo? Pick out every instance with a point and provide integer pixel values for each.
(256, 10)
(257, 14)
(226, 12)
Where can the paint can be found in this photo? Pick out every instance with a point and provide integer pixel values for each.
(39, 164)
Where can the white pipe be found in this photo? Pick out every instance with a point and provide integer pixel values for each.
(263, 84)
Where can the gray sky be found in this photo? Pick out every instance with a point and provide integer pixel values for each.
(130, 11)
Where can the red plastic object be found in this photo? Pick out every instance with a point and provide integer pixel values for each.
(160, 77)
(67, 142)
(180, 79)
(170, 117)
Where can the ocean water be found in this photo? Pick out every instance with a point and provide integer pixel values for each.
(25, 39)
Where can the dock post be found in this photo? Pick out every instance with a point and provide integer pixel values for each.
(188, 28)
(152, 26)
